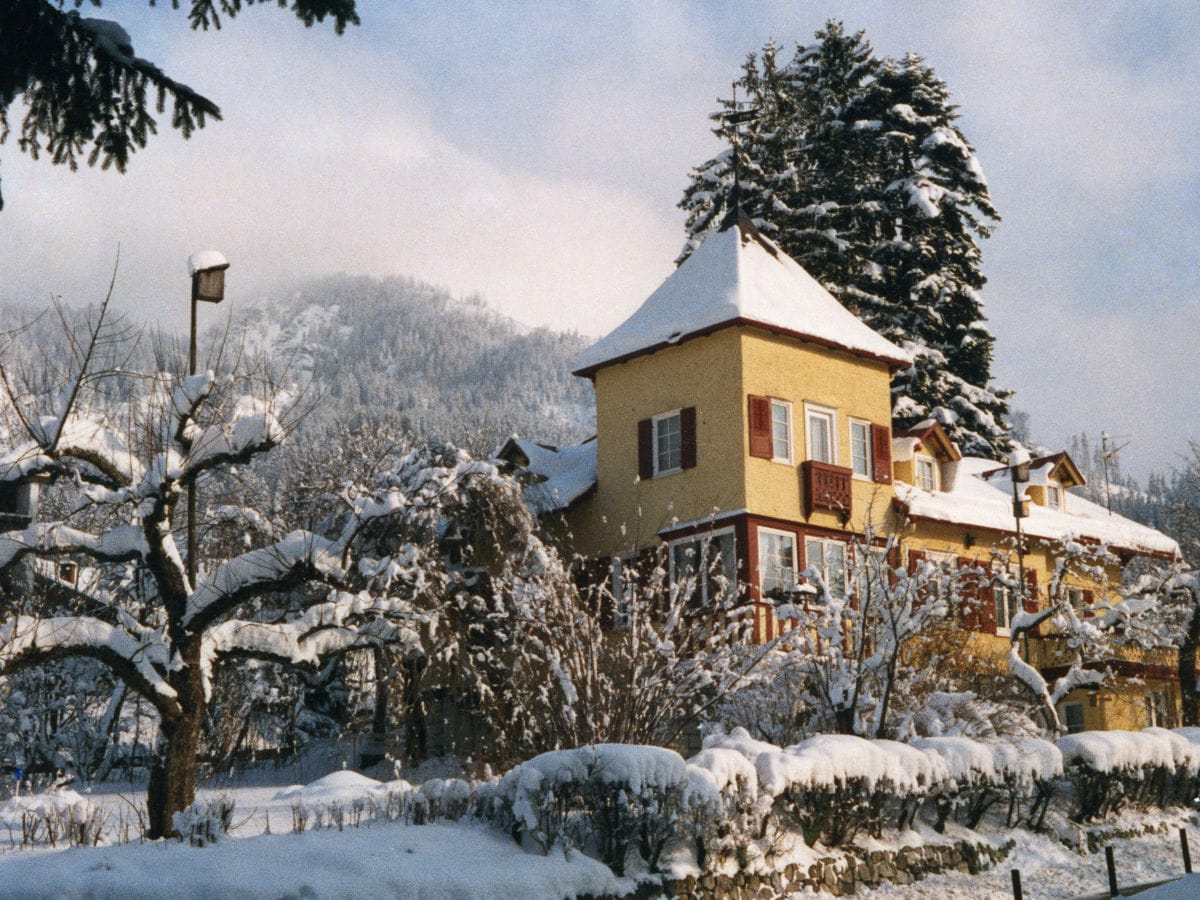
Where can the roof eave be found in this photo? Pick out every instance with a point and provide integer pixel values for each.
(894, 363)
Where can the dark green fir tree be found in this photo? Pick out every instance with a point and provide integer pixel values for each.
(868, 182)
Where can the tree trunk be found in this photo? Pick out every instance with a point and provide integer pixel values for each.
(1187, 668)
(416, 735)
(172, 785)
(375, 748)
(845, 720)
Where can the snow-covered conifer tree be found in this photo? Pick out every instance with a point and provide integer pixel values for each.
(874, 190)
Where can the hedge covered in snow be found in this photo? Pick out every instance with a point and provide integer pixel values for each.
(738, 795)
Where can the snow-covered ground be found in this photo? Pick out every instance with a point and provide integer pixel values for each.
(465, 858)
(261, 858)
(1051, 870)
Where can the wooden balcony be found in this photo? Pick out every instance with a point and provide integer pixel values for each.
(826, 487)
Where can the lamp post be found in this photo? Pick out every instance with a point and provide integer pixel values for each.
(207, 269)
(1018, 469)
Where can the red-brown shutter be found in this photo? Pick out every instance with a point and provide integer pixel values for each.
(646, 448)
(987, 601)
(915, 558)
(1089, 597)
(760, 426)
(687, 437)
(1031, 597)
(881, 453)
(968, 591)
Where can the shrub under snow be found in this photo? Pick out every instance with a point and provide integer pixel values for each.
(604, 798)
(1113, 769)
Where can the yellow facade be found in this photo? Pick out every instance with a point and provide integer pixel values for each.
(716, 374)
(716, 371)
(802, 373)
(627, 512)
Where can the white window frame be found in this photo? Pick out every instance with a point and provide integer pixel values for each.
(868, 475)
(812, 410)
(944, 563)
(655, 420)
(1074, 705)
(622, 594)
(1077, 597)
(1158, 712)
(1057, 488)
(791, 536)
(701, 539)
(1004, 623)
(786, 406)
(933, 469)
(845, 547)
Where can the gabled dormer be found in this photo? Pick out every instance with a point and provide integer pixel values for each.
(925, 457)
(1050, 477)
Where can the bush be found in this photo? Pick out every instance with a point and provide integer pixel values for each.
(608, 799)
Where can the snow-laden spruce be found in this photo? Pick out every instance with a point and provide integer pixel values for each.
(857, 167)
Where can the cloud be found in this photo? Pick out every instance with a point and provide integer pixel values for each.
(536, 156)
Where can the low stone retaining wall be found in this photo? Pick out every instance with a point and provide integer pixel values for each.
(838, 876)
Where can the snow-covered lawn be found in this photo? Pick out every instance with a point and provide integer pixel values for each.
(464, 860)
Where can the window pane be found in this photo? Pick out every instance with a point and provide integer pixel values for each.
(860, 449)
(819, 437)
(835, 568)
(721, 580)
(684, 559)
(777, 571)
(668, 444)
(781, 431)
(925, 474)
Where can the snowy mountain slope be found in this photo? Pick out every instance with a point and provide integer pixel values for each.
(398, 347)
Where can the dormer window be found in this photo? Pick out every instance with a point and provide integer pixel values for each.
(926, 473)
(1053, 496)
(668, 443)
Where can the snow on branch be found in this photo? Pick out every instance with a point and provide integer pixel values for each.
(138, 658)
(82, 439)
(346, 622)
(299, 556)
(254, 429)
(125, 542)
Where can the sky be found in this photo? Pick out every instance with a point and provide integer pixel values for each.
(534, 153)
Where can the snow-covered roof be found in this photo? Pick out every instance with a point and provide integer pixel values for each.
(971, 499)
(738, 276)
(206, 259)
(562, 474)
(928, 433)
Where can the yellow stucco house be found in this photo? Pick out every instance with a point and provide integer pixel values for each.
(741, 411)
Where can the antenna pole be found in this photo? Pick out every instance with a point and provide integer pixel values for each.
(1104, 459)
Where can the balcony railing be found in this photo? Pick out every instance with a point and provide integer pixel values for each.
(826, 487)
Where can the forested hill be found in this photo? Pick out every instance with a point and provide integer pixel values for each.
(401, 350)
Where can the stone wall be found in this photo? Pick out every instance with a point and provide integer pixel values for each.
(838, 876)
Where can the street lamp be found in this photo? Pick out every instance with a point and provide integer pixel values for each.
(1018, 470)
(207, 269)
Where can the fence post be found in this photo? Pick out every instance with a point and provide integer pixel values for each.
(1112, 872)
(1187, 853)
(1016, 879)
